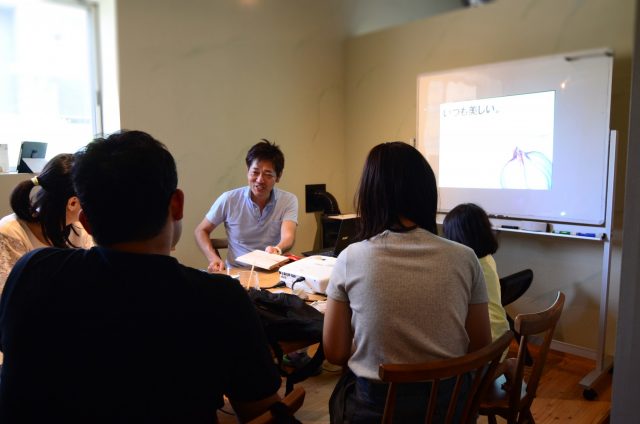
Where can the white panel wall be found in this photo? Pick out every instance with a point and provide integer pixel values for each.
(210, 79)
(381, 105)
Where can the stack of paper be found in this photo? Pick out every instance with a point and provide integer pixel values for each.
(262, 259)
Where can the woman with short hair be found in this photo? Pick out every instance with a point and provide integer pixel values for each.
(469, 224)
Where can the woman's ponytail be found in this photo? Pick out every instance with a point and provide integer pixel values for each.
(21, 201)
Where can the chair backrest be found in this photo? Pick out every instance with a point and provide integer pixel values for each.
(293, 401)
(515, 285)
(528, 325)
(219, 243)
(481, 364)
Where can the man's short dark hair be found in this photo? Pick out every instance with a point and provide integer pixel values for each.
(125, 183)
(266, 150)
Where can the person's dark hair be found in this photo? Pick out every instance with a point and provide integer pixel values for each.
(48, 207)
(396, 182)
(266, 150)
(469, 224)
(125, 183)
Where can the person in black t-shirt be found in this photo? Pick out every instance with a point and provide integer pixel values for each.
(123, 332)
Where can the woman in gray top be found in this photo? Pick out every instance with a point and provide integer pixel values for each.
(402, 294)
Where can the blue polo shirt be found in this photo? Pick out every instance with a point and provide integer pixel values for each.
(247, 228)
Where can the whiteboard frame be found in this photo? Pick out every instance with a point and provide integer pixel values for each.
(580, 80)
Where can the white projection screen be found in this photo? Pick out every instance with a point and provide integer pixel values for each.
(525, 139)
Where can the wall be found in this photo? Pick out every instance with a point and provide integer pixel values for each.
(627, 368)
(7, 183)
(381, 70)
(364, 16)
(298, 63)
(210, 79)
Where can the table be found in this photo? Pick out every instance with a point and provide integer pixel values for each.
(268, 279)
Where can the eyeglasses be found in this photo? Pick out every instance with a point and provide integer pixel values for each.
(267, 175)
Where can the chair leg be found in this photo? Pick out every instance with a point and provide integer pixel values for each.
(491, 419)
(526, 417)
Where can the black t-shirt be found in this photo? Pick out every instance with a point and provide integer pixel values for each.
(105, 336)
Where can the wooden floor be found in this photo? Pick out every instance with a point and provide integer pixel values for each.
(559, 397)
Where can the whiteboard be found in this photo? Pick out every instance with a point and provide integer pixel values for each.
(524, 139)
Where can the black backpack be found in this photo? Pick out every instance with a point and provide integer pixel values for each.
(287, 318)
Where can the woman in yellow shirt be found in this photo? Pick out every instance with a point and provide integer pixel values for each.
(469, 224)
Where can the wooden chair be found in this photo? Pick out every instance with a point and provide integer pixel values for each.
(515, 285)
(293, 401)
(481, 364)
(219, 243)
(511, 288)
(512, 398)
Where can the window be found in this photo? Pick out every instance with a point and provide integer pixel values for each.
(48, 78)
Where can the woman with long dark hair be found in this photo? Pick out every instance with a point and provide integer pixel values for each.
(46, 216)
(402, 294)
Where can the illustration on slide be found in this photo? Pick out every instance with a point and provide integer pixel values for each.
(527, 170)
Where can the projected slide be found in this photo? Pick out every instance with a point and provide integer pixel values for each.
(501, 142)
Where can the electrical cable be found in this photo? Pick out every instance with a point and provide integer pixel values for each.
(297, 280)
(277, 285)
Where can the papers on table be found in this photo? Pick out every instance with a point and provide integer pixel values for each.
(262, 259)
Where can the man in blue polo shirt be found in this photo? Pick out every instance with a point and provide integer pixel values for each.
(255, 217)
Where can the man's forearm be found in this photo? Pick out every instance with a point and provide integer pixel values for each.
(204, 243)
(287, 235)
(285, 245)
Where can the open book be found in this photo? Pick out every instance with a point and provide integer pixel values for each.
(262, 259)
